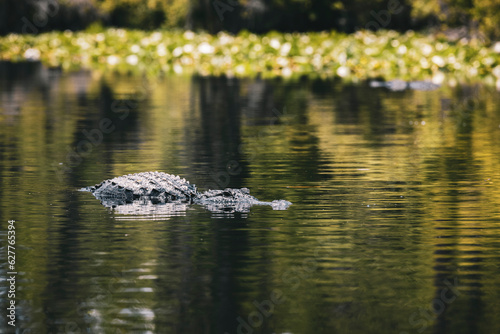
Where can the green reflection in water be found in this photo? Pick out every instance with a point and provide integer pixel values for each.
(393, 226)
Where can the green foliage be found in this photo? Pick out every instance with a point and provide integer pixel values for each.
(148, 14)
(95, 28)
(365, 54)
(132, 13)
(487, 13)
(477, 17)
(175, 12)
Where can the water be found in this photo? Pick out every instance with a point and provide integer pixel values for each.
(393, 227)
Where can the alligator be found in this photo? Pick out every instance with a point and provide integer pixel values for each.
(141, 192)
(400, 85)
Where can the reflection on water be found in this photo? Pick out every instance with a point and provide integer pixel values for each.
(394, 227)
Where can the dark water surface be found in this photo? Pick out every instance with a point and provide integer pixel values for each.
(394, 226)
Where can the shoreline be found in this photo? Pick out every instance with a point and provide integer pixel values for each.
(363, 55)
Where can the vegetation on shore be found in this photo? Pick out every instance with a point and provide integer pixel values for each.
(362, 55)
(476, 17)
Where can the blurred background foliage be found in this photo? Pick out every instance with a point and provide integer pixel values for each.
(458, 18)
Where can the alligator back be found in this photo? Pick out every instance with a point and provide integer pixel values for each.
(160, 186)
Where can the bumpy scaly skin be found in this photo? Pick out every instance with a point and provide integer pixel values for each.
(161, 188)
(235, 200)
